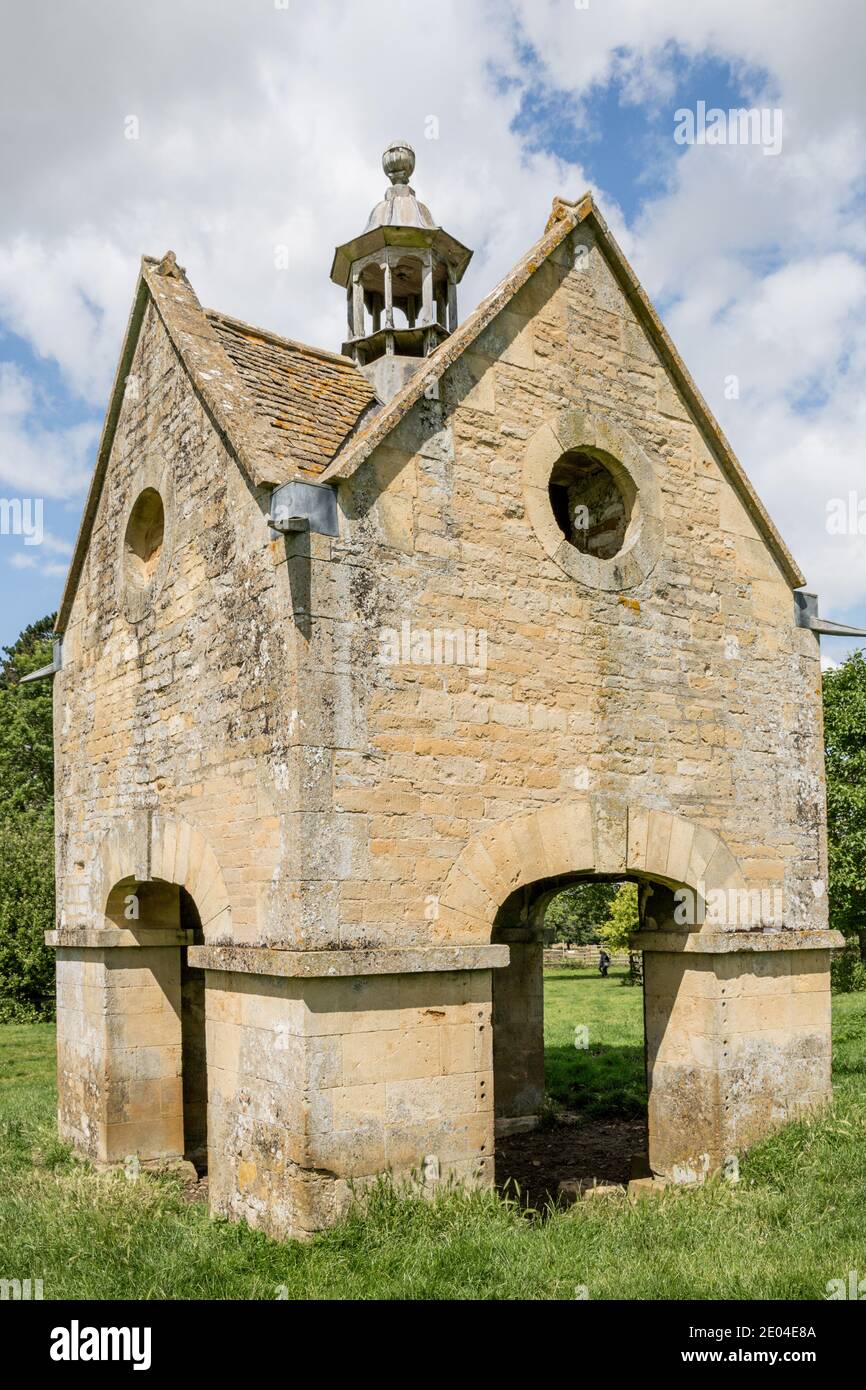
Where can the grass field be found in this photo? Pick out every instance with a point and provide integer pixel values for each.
(607, 1077)
(796, 1220)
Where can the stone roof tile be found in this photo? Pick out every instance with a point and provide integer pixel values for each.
(309, 400)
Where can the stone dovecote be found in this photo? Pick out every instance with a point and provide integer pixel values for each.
(315, 790)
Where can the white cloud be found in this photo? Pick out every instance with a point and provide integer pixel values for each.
(69, 300)
(48, 569)
(49, 557)
(262, 127)
(36, 460)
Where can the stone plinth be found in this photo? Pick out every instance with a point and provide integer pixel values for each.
(738, 1040)
(319, 1084)
(119, 1052)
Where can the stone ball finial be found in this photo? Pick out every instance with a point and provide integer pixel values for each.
(398, 161)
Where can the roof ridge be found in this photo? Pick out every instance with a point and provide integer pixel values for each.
(273, 337)
(213, 375)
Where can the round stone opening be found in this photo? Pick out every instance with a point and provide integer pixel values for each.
(143, 542)
(590, 509)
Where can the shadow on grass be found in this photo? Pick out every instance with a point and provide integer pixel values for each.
(598, 1082)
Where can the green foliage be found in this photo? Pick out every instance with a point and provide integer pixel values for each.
(576, 913)
(26, 828)
(623, 918)
(848, 971)
(845, 739)
(26, 732)
(26, 912)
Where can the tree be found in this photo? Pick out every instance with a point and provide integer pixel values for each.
(26, 828)
(623, 918)
(845, 741)
(576, 913)
(26, 913)
(26, 728)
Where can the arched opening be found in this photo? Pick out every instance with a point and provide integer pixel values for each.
(406, 280)
(591, 506)
(157, 1054)
(400, 304)
(143, 541)
(570, 1035)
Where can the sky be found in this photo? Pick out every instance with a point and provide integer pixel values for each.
(246, 135)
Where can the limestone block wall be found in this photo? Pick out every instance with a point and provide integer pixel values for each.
(186, 713)
(81, 1052)
(119, 1052)
(317, 1084)
(685, 687)
(738, 1043)
(334, 788)
(774, 1030)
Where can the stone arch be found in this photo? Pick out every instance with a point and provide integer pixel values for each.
(149, 847)
(589, 835)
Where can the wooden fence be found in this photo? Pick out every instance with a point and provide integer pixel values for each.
(579, 955)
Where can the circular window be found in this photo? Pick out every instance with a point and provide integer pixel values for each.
(589, 506)
(593, 500)
(143, 541)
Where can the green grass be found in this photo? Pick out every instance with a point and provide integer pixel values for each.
(607, 1077)
(796, 1220)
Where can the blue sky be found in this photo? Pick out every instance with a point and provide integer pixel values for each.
(261, 126)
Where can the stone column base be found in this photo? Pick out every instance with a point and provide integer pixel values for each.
(738, 1040)
(518, 1038)
(119, 1081)
(327, 1068)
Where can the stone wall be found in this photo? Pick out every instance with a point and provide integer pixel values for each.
(119, 1052)
(579, 956)
(187, 713)
(317, 1084)
(737, 1043)
(251, 737)
(691, 691)
(336, 789)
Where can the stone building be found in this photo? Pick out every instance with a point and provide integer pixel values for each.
(364, 655)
